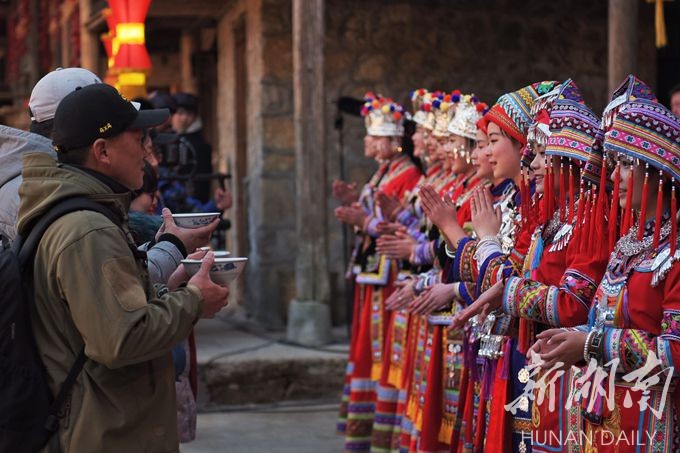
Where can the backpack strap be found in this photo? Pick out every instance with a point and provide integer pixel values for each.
(52, 422)
(26, 253)
(30, 245)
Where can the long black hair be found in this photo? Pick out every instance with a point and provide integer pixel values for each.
(407, 143)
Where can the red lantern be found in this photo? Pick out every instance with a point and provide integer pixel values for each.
(131, 54)
(129, 60)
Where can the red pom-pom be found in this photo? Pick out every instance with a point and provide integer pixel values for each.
(421, 91)
(427, 107)
(447, 98)
(480, 107)
(543, 117)
(397, 116)
(456, 92)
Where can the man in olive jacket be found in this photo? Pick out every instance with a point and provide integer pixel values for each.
(92, 291)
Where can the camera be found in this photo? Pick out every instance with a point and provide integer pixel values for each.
(176, 154)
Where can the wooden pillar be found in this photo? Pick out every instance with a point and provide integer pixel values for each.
(309, 314)
(187, 47)
(89, 44)
(32, 50)
(622, 24)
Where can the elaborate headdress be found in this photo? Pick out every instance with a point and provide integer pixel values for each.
(444, 107)
(576, 136)
(468, 113)
(512, 111)
(422, 115)
(647, 131)
(631, 89)
(383, 116)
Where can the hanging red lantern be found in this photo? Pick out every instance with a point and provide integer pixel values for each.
(131, 61)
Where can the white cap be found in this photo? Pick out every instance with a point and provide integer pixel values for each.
(51, 89)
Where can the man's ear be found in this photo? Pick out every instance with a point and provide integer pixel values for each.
(100, 153)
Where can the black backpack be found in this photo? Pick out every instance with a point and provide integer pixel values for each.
(28, 411)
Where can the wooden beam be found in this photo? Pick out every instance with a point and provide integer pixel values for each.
(181, 8)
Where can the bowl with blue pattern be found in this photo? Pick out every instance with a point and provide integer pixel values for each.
(194, 220)
(223, 270)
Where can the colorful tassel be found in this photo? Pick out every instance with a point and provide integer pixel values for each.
(602, 194)
(674, 219)
(614, 209)
(562, 195)
(591, 222)
(643, 208)
(578, 230)
(572, 201)
(627, 221)
(523, 194)
(548, 190)
(659, 212)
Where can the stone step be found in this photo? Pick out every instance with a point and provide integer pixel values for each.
(239, 365)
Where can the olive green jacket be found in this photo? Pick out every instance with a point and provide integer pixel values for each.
(91, 290)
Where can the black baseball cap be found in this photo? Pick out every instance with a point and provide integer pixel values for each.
(98, 111)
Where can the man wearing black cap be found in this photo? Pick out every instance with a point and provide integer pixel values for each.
(92, 292)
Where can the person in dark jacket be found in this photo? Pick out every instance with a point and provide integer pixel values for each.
(187, 123)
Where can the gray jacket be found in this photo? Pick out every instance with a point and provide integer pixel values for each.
(14, 143)
(163, 258)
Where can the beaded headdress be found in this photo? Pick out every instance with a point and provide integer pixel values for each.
(444, 107)
(649, 133)
(468, 113)
(512, 111)
(422, 115)
(383, 116)
(630, 90)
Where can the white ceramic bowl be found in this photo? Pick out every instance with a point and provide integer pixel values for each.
(223, 271)
(194, 220)
(217, 253)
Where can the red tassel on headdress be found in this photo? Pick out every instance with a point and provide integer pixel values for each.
(674, 219)
(627, 221)
(523, 193)
(602, 194)
(643, 208)
(587, 221)
(583, 224)
(658, 214)
(563, 193)
(591, 222)
(545, 205)
(614, 209)
(548, 190)
(572, 202)
(578, 229)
